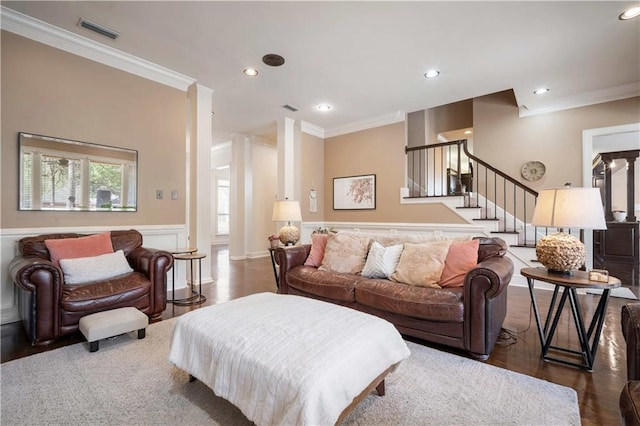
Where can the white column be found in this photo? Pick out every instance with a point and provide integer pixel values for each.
(237, 197)
(286, 158)
(204, 139)
(289, 162)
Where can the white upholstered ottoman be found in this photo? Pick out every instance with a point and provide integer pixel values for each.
(102, 325)
(284, 359)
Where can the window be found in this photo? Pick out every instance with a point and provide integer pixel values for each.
(222, 201)
(59, 174)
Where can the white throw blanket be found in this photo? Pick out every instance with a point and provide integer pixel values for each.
(285, 359)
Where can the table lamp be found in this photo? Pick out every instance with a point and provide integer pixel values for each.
(287, 211)
(566, 208)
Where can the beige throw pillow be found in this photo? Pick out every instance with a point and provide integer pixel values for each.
(345, 254)
(422, 264)
(94, 268)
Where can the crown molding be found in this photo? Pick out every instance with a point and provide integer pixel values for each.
(312, 129)
(48, 34)
(369, 123)
(609, 94)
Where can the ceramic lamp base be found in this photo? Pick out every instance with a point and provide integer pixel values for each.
(560, 253)
(289, 235)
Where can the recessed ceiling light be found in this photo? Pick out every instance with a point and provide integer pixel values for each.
(324, 107)
(432, 74)
(540, 91)
(630, 13)
(251, 72)
(467, 132)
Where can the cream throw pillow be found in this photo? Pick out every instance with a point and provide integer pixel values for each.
(345, 254)
(422, 264)
(85, 269)
(381, 261)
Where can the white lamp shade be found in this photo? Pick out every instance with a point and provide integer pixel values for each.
(569, 208)
(286, 211)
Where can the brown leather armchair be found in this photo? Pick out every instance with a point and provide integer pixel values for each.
(630, 396)
(50, 309)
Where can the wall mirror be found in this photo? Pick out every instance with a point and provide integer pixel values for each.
(67, 175)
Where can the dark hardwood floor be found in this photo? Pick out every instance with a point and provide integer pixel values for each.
(598, 391)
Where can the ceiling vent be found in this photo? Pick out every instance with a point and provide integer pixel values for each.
(273, 60)
(290, 108)
(103, 31)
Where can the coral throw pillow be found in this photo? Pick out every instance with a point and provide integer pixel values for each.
(318, 244)
(422, 264)
(462, 257)
(73, 248)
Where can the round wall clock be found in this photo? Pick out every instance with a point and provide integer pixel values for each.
(533, 170)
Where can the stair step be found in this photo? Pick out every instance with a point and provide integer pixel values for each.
(524, 245)
(468, 207)
(489, 219)
(505, 232)
(414, 197)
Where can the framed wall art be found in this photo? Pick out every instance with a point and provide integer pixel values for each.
(354, 192)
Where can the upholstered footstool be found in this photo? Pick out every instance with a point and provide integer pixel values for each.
(102, 325)
(284, 359)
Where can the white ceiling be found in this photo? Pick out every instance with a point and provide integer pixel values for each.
(367, 59)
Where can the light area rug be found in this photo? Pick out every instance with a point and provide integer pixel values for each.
(622, 292)
(130, 382)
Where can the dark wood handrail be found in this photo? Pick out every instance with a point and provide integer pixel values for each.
(432, 146)
(518, 209)
(496, 171)
(463, 142)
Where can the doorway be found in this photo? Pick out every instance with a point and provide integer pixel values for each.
(595, 142)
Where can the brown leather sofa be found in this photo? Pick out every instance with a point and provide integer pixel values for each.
(50, 309)
(468, 317)
(630, 396)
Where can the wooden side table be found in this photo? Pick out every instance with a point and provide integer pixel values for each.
(570, 283)
(188, 253)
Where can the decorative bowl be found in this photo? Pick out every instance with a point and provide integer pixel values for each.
(619, 215)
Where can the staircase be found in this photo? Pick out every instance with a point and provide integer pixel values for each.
(521, 253)
(479, 193)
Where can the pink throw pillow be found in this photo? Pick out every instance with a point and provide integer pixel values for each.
(462, 257)
(73, 248)
(318, 244)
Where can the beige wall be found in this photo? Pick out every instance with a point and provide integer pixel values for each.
(50, 92)
(424, 126)
(501, 138)
(378, 151)
(507, 141)
(312, 177)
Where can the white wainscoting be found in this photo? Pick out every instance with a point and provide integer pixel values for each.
(436, 229)
(157, 236)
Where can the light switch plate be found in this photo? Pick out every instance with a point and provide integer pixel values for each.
(174, 195)
(159, 194)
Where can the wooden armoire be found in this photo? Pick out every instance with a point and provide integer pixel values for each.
(617, 249)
